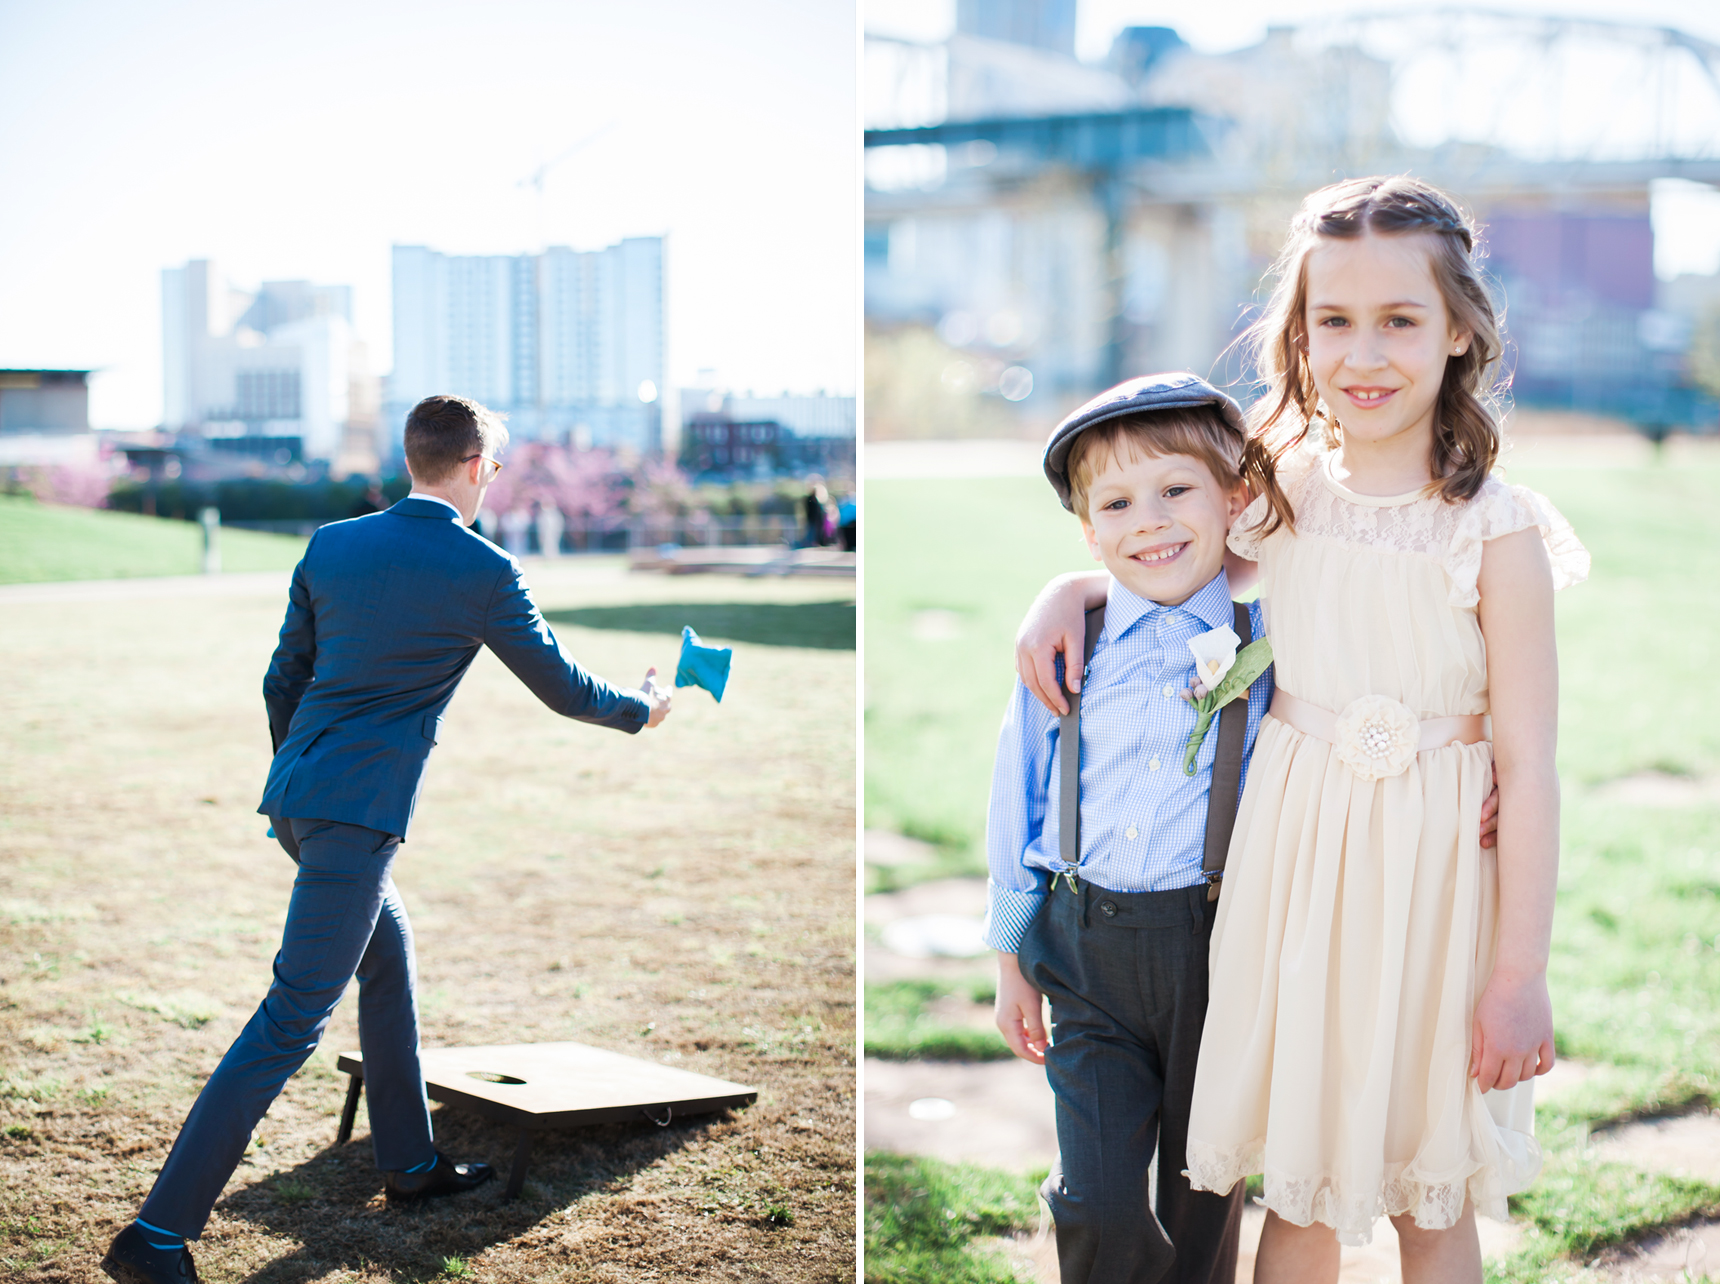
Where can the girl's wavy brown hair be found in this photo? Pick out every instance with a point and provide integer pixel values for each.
(1465, 436)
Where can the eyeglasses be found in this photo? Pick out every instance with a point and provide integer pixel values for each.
(494, 463)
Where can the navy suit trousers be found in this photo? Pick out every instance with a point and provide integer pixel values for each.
(345, 919)
(1126, 974)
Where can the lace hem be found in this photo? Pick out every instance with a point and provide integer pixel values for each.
(1436, 1201)
(1501, 509)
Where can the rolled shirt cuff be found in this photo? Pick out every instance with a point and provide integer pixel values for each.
(1008, 913)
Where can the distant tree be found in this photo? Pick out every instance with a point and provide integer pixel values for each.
(85, 483)
(586, 485)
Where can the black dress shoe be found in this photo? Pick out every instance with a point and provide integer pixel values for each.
(131, 1260)
(445, 1178)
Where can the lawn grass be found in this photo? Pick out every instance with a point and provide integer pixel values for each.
(902, 1022)
(685, 896)
(922, 1217)
(41, 542)
(976, 551)
(1635, 966)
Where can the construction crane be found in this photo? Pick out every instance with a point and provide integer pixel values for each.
(536, 179)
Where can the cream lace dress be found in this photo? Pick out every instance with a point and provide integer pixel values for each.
(1356, 929)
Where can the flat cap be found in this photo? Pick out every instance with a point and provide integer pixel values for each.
(1132, 397)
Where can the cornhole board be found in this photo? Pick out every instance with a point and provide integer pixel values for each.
(535, 1086)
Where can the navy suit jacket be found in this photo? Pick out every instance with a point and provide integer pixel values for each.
(385, 616)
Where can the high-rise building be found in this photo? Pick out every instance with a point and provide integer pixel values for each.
(276, 362)
(568, 344)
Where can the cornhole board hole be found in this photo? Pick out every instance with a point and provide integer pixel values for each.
(535, 1086)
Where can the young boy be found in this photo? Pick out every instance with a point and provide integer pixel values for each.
(1117, 937)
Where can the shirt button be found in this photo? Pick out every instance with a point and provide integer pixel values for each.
(1169, 691)
(1153, 764)
(1129, 833)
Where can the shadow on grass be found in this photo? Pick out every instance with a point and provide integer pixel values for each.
(827, 626)
(333, 1204)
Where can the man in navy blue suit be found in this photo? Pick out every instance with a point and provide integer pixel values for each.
(386, 613)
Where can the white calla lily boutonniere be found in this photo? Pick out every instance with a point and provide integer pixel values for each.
(1221, 674)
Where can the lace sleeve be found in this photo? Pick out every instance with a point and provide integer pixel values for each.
(1499, 510)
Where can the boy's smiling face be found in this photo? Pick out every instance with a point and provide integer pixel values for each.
(1158, 522)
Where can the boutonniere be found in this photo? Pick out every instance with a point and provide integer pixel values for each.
(1221, 674)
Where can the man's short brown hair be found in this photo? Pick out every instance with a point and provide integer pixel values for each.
(1200, 432)
(442, 431)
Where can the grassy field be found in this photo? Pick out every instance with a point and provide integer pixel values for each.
(55, 542)
(1635, 969)
(950, 567)
(685, 895)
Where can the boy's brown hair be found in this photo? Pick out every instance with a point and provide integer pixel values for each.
(443, 431)
(1197, 431)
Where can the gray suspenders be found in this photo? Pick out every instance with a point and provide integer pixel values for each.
(1226, 766)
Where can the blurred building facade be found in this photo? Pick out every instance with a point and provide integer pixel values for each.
(260, 372)
(44, 402)
(725, 434)
(1086, 221)
(568, 344)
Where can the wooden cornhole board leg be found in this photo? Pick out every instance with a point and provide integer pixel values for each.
(522, 1157)
(349, 1113)
(535, 1086)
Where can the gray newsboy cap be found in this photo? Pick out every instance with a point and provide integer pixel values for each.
(1132, 397)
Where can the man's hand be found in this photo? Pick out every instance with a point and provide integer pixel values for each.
(1490, 813)
(1513, 1039)
(1020, 1011)
(656, 697)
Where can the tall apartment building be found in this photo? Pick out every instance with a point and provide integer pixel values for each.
(568, 344)
(280, 361)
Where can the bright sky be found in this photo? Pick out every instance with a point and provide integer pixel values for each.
(1686, 216)
(300, 141)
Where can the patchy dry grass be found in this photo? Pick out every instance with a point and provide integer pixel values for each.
(685, 895)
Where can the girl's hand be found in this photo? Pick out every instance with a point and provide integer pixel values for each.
(1056, 624)
(1020, 1011)
(1513, 1032)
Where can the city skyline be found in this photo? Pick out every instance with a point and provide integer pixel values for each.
(568, 344)
(307, 148)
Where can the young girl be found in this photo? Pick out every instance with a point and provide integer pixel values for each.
(1379, 1004)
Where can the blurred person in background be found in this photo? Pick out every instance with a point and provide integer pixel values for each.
(515, 523)
(820, 516)
(371, 501)
(550, 525)
(848, 524)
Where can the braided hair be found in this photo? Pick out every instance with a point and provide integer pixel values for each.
(1465, 435)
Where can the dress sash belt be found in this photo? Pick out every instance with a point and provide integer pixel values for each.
(1311, 720)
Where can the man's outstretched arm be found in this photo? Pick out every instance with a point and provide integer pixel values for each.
(516, 631)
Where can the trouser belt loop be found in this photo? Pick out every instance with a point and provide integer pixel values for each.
(1197, 908)
(1084, 893)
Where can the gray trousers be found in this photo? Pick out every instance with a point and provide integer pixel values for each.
(1126, 973)
(345, 919)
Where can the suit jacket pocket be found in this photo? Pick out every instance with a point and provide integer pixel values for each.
(432, 725)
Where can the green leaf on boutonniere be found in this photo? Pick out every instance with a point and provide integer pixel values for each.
(1251, 662)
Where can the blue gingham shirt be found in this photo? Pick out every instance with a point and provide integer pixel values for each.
(1143, 821)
